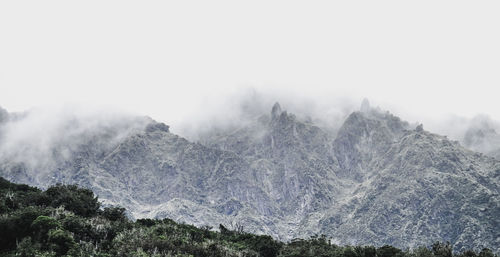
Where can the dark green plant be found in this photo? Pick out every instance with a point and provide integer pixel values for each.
(442, 249)
(62, 241)
(33, 223)
(41, 226)
(80, 201)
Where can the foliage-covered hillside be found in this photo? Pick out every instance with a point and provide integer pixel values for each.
(66, 220)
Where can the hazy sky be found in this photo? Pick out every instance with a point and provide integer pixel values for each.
(169, 59)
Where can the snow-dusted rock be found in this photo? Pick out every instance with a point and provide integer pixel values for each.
(376, 181)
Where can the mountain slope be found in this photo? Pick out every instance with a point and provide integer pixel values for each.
(377, 181)
(425, 188)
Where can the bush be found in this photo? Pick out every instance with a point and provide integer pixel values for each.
(442, 250)
(114, 214)
(388, 251)
(17, 225)
(78, 200)
(41, 226)
(61, 241)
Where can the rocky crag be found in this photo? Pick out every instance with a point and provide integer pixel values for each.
(378, 180)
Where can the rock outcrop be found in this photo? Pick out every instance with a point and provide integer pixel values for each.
(376, 181)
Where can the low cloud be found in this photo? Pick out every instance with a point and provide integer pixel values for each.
(42, 137)
(237, 109)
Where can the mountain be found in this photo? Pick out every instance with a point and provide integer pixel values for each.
(4, 115)
(66, 220)
(416, 182)
(378, 180)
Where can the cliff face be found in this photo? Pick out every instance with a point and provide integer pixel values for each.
(377, 181)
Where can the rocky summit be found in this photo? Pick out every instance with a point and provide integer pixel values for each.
(377, 180)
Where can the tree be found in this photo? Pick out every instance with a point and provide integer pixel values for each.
(349, 252)
(62, 241)
(442, 249)
(388, 251)
(486, 253)
(17, 224)
(423, 252)
(81, 201)
(42, 225)
(26, 248)
(267, 247)
(468, 253)
(114, 213)
(223, 230)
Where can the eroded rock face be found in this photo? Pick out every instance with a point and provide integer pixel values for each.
(4, 115)
(377, 181)
(365, 137)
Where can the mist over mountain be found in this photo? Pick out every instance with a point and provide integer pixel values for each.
(364, 177)
(482, 136)
(43, 140)
(235, 110)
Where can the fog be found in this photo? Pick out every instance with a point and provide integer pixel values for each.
(237, 109)
(43, 137)
(46, 136)
(328, 112)
(479, 133)
(187, 63)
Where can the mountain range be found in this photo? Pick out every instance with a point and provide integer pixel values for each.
(377, 180)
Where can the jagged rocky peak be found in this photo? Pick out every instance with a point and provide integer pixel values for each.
(283, 176)
(419, 128)
(281, 119)
(374, 119)
(4, 115)
(157, 126)
(365, 106)
(362, 137)
(276, 111)
(370, 116)
(283, 122)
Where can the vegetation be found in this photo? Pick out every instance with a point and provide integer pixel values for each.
(68, 221)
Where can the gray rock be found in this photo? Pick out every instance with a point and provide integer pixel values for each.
(4, 115)
(376, 181)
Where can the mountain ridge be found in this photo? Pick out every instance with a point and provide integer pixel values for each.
(377, 180)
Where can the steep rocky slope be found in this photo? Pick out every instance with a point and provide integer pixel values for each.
(393, 183)
(421, 189)
(377, 181)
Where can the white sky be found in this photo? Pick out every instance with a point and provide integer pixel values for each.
(166, 58)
